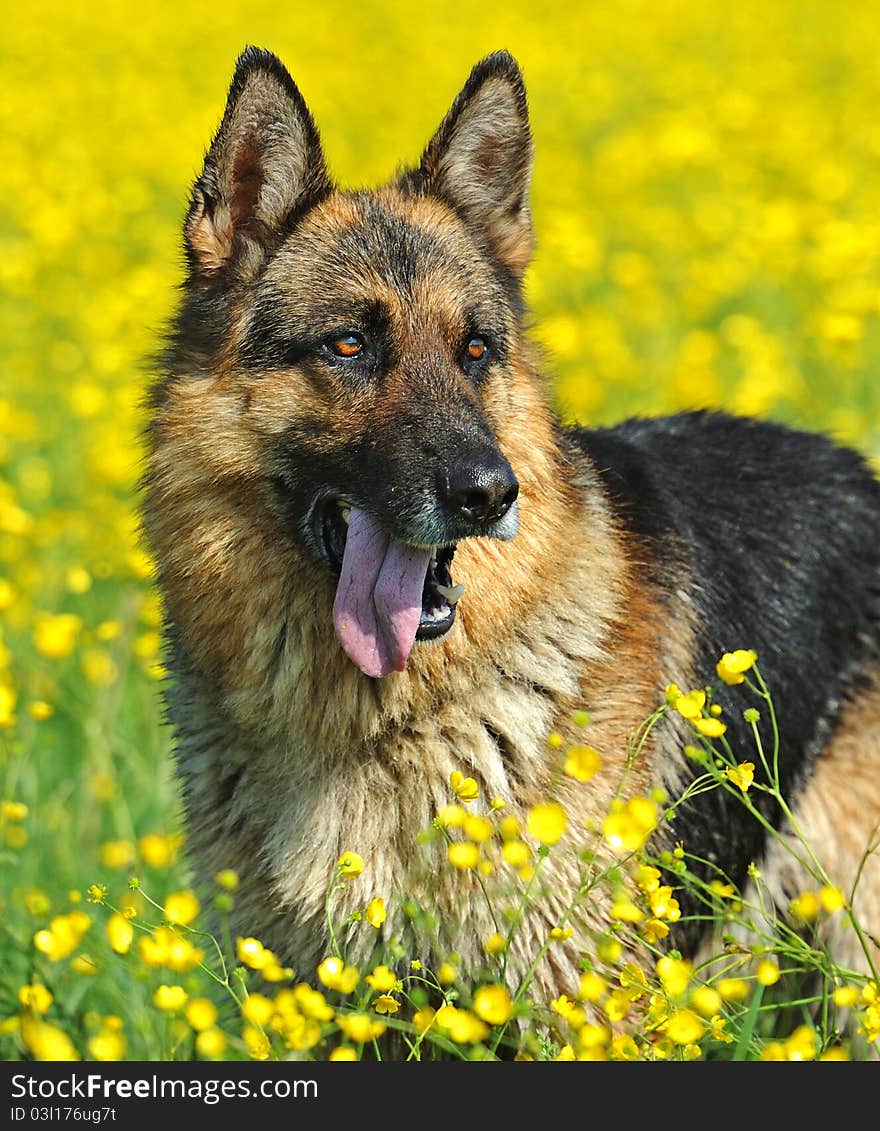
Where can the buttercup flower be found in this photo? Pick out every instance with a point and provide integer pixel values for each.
(547, 822)
(493, 1004)
(350, 865)
(465, 789)
(732, 666)
(375, 913)
(741, 775)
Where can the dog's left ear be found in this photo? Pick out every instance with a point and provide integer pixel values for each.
(264, 167)
(480, 159)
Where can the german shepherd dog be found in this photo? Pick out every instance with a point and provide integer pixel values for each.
(384, 560)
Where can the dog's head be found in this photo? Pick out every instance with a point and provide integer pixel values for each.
(356, 357)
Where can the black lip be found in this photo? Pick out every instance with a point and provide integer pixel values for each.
(333, 532)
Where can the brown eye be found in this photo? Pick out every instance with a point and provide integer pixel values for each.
(349, 345)
(476, 348)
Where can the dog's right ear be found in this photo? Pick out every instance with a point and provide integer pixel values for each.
(265, 166)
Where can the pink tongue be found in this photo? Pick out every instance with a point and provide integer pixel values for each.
(379, 597)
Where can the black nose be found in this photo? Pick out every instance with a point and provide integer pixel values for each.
(480, 487)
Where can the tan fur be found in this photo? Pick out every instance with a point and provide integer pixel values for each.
(838, 816)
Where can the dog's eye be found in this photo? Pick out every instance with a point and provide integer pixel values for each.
(476, 348)
(348, 345)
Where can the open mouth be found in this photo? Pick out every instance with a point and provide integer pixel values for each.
(389, 594)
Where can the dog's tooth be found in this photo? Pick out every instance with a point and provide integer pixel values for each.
(346, 514)
(452, 593)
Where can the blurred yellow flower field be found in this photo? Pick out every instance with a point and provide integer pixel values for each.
(707, 205)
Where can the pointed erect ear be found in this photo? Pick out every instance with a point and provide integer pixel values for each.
(480, 160)
(264, 167)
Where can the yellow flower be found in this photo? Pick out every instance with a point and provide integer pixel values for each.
(211, 1044)
(181, 907)
(360, 1027)
(35, 997)
(464, 854)
(653, 930)
(710, 728)
(732, 666)
(465, 789)
(461, 1025)
(689, 706)
(805, 906)
(120, 933)
(495, 944)
(170, 998)
(164, 947)
(62, 936)
(375, 913)
(157, 850)
(516, 853)
(257, 1043)
(629, 824)
(624, 1047)
(310, 1001)
(846, 996)
(343, 1052)
(201, 1014)
(98, 667)
(257, 1009)
(632, 979)
(8, 699)
(567, 1010)
(733, 989)
(625, 911)
(335, 975)
(84, 964)
(684, 1027)
(452, 816)
(706, 1001)
(45, 1041)
(55, 636)
(226, 879)
(582, 762)
(382, 979)
(591, 986)
(741, 775)
(350, 865)
(560, 934)
(832, 899)
(801, 1045)
(647, 877)
(13, 810)
(767, 972)
(547, 822)
(385, 1003)
(478, 829)
(675, 974)
(252, 953)
(423, 1019)
(117, 854)
(108, 1044)
(493, 1004)
(663, 905)
(446, 973)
